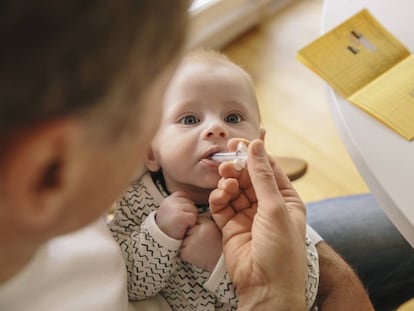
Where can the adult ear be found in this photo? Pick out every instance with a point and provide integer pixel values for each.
(36, 172)
(150, 161)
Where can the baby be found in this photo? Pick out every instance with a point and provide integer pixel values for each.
(170, 243)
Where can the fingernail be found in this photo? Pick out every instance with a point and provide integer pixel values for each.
(258, 149)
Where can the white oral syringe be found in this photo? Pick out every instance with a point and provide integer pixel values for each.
(239, 157)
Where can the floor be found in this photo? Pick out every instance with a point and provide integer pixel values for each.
(293, 100)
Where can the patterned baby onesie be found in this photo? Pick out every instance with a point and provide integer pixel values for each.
(153, 261)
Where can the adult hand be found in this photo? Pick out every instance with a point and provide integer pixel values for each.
(263, 223)
(176, 214)
(202, 245)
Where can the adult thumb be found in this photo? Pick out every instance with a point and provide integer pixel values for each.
(262, 175)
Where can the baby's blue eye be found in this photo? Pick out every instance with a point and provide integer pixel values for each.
(233, 118)
(188, 120)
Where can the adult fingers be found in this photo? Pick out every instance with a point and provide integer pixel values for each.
(293, 202)
(219, 201)
(265, 178)
(233, 143)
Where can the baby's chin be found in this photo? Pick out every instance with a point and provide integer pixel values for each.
(210, 182)
(204, 188)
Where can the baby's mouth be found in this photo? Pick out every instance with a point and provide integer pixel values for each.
(209, 157)
(210, 153)
(239, 157)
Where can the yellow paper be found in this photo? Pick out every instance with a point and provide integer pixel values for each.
(367, 65)
(408, 306)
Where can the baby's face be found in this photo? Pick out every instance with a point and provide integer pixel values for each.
(205, 105)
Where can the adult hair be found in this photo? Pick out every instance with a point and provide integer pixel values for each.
(63, 58)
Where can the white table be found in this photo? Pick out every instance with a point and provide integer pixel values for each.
(383, 158)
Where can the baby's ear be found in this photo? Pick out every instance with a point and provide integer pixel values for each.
(262, 134)
(150, 162)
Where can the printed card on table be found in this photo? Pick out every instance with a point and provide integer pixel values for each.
(369, 67)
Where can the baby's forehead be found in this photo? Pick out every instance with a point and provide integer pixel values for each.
(205, 65)
(191, 83)
(216, 74)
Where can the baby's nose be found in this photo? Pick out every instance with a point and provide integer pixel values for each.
(216, 130)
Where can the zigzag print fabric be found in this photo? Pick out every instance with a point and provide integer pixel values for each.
(153, 263)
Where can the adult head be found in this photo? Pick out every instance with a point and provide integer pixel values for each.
(78, 82)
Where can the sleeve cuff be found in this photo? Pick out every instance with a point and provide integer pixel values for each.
(216, 276)
(313, 235)
(159, 236)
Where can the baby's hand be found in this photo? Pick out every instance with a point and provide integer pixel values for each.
(202, 245)
(176, 214)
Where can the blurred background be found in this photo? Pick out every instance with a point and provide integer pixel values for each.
(263, 37)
